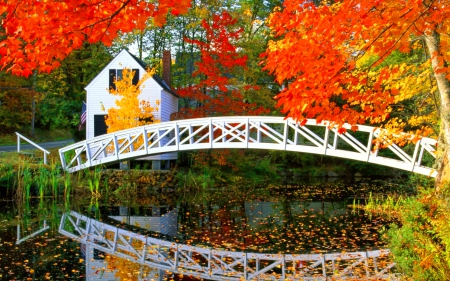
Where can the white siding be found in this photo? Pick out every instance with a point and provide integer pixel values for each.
(165, 224)
(97, 94)
(97, 91)
(169, 104)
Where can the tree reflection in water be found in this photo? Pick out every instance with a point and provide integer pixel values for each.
(284, 219)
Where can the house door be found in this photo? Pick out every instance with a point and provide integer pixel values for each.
(99, 125)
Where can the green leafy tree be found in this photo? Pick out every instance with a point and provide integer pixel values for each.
(16, 96)
(63, 88)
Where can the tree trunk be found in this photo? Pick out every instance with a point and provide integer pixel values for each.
(432, 40)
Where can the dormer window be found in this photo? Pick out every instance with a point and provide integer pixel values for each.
(116, 74)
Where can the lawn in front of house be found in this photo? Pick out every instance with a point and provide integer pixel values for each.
(39, 136)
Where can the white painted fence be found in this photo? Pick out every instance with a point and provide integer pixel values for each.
(248, 132)
(217, 264)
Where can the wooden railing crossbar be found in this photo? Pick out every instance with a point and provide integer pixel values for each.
(19, 136)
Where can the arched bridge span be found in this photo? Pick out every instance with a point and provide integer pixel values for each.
(248, 132)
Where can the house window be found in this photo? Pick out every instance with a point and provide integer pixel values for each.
(116, 74)
(99, 125)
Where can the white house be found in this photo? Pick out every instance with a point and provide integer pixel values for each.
(99, 100)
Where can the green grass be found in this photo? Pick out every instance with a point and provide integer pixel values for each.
(14, 158)
(39, 136)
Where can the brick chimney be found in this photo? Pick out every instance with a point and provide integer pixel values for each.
(167, 62)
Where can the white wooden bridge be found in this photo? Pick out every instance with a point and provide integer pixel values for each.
(248, 132)
(214, 264)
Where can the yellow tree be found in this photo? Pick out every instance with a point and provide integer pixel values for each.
(414, 112)
(131, 111)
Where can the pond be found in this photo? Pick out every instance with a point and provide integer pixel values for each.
(317, 218)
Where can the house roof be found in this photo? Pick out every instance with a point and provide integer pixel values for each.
(157, 78)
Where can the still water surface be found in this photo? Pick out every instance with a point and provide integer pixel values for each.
(310, 218)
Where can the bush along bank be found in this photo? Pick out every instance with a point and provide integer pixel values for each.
(24, 180)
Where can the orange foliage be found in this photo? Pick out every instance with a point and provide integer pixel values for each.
(39, 34)
(317, 48)
(217, 92)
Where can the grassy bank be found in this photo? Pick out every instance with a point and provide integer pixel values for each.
(39, 136)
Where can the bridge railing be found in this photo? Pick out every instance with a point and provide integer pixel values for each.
(219, 264)
(19, 136)
(248, 132)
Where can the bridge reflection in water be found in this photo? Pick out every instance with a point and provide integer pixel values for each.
(215, 264)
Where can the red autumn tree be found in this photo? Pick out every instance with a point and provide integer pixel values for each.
(39, 34)
(317, 48)
(219, 91)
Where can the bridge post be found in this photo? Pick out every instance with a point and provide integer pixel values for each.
(211, 134)
(245, 273)
(324, 270)
(63, 161)
(296, 134)
(129, 143)
(145, 138)
(369, 145)
(224, 137)
(176, 258)
(191, 139)
(88, 154)
(176, 129)
(116, 146)
(414, 157)
(79, 154)
(156, 165)
(209, 262)
(325, 140)
(366, 264)
(258, 132)
(247, 131)
(335, 139)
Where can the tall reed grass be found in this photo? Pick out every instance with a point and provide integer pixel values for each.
(42, 180)
(54, 179)
(24, 182)
(385, 205)
(94, 180)
(67, 186)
